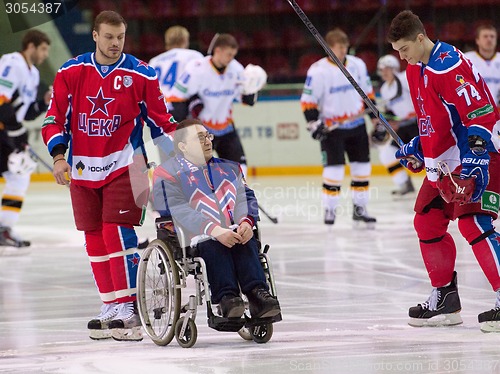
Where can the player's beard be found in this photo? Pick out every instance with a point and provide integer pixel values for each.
(110, 57)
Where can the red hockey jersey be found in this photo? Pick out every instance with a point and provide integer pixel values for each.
(99, 112)
(452, 102)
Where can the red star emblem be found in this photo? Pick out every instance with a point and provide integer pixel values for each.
(221, 171)
(443, 55)
(134, 259)
(99, 102)
(142, 63)
(497, 239)
(420, 102)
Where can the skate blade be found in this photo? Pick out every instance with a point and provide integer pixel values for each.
(132, 334)
(437, 321)
(360, 225)
(11, 251)
(490, 326)
(99, 334)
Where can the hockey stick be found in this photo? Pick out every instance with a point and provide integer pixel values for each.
(346, 73)
(271, 218)
(39, 159)
(212, 43)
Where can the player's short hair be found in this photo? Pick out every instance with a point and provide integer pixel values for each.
(180, 131)
(406, 25)
(484, 26)
(36, 37)
(109, 17)
(336, 36)
(226, 40)
(176, 36)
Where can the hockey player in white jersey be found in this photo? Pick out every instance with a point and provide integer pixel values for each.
(19, 79)
(397, 104)
(171, 64)
(486, 59)
(335, 115)
(207, 90)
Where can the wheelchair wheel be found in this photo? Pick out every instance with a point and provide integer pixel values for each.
(262, 333)
(245, 333)
(158, 292)
(190, 335)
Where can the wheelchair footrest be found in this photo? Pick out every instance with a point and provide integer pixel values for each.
(225, 324)
(252, 322)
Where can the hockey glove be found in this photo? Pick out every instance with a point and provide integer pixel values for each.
(410, 155)
(20, 162)
(475, 164)
(317, 129)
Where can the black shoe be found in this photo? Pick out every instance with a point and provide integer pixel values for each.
(232, 306)
(443, 302)
(406, 188)
(262, 304)
(329, 216)
(359, 215)
(490, 320)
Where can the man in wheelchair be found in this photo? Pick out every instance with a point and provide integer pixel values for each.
(208, 197)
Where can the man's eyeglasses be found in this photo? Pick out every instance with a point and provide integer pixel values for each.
(203, 137)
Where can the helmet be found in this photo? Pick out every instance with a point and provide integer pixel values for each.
(455, 190)
(388, 61)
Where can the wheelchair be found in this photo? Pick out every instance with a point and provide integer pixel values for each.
(163, 271)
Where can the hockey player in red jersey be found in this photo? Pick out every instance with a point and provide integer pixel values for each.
(99, 106)
(456, 116)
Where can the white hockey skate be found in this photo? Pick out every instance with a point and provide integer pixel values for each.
(99, 326)
(127, 323)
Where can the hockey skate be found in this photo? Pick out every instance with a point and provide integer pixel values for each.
(490, 320)
(329, 216)
(404, 189)
(11, 244)
(442, 308)
(127, 324)
(360, 217)
(99, 326)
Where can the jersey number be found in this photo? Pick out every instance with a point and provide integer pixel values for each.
(6, 71)
(170, 76)
(473, 92)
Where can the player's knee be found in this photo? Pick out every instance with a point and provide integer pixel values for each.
(430, 227)
(475, 228)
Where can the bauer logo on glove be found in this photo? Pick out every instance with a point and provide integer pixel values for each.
(254, 79)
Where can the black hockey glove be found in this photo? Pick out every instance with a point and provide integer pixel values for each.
(317, 129)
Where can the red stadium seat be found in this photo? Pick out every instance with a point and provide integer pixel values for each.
(370, 58)
(163, 9)
(277, 67)
(264, 38)
(189, 8)
(305, 61)
(453, 31)
(152, 44)
(294, 37)
(135, 9)
(220, 7)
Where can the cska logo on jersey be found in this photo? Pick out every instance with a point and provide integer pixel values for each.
(425, 126)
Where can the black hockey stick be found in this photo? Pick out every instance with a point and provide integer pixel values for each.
(271, 218)
(342, 68)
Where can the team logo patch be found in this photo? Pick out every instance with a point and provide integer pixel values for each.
(80, 166)
(104, 69)
(127, 81)
(443, 56)
(490, 201)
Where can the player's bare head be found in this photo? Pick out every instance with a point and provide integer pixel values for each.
(35, 46)
(225, 49)
(176, 37)
(338, 42)
(336, 36)
(34, 37)
(486, 39)
(108, 17)
(405, 26)
(193, 141)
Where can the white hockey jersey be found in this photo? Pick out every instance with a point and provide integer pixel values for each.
(216, 90)
(18, 83)
(396, 97)
(328, 90)
(171, 64)
(489, 70)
